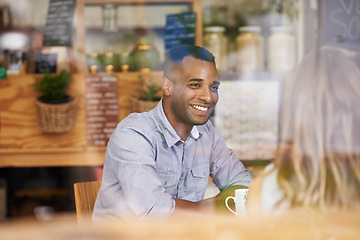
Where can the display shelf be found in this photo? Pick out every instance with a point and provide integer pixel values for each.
(195, 5)
(23, 145)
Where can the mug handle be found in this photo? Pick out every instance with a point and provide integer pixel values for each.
(226, 203)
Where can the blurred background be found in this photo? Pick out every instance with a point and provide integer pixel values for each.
(113, 47)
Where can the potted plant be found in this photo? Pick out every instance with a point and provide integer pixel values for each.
(56, 109)
(147, 94)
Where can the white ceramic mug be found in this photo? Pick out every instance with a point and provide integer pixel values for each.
(240, 200)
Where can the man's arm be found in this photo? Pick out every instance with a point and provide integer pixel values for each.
(211, 205)
(226, 169)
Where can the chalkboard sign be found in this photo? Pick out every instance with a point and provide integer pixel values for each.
(180, 29)
(341, 21)
(101, 109)
(59, 20)
(45, 63)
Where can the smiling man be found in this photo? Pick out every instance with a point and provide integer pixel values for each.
(159, 162)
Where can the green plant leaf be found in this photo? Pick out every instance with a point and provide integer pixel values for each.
(53, 87)
(148, 89)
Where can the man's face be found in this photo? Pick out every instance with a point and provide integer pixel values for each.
(195, 91)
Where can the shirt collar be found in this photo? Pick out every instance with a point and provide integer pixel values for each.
(169, 132)
(195, 132)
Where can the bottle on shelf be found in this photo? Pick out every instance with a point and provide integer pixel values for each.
(3, 65)
(109, 18)
(281, 49)
(216, 42)
(250, 50)
(124, 62)
(93, 62)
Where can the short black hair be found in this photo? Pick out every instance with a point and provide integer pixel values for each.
(175, 55)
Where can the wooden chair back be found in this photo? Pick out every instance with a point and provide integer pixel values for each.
(85, 196)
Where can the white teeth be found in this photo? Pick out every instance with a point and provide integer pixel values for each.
(203, 109)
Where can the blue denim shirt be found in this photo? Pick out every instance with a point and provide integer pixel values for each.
(147, 165)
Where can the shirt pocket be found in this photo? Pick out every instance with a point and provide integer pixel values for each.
(169, 181)
(200, 174)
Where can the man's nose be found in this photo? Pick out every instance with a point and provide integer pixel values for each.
(205, 95)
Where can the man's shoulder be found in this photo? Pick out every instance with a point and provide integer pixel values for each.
(209, 131)
(142, 122)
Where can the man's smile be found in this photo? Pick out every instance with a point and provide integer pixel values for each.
(199, 108)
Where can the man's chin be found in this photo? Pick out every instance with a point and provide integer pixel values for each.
(201, 122)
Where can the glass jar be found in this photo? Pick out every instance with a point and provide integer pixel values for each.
(281, 49)
(93, 62)
(216, 42)
(249, 50)
(111, 62)
(144, 56)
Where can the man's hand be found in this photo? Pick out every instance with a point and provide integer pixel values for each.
(230, 191)
(210, 205)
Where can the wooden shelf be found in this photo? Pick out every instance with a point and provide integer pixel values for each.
(53, 159)
(23, 145)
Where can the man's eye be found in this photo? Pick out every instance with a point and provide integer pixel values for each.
(214, 88)
(194, 85)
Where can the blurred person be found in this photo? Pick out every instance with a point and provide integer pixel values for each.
(317, 163)
(159, 162)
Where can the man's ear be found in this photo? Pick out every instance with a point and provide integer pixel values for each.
(167, 86)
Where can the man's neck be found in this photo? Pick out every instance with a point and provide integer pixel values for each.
(181, 129)
(182, 132)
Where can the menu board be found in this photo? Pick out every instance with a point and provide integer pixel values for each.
(341, 22)
(180, 29)
(45, 63)
(59, 20)
(250, 126)
(102, 108)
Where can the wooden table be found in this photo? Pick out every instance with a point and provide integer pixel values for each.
(292, 226)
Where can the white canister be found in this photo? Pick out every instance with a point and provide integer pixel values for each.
(250, 50)
(216, 42)
(281, 49)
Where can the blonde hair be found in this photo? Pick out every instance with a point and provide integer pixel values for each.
(318, 157)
